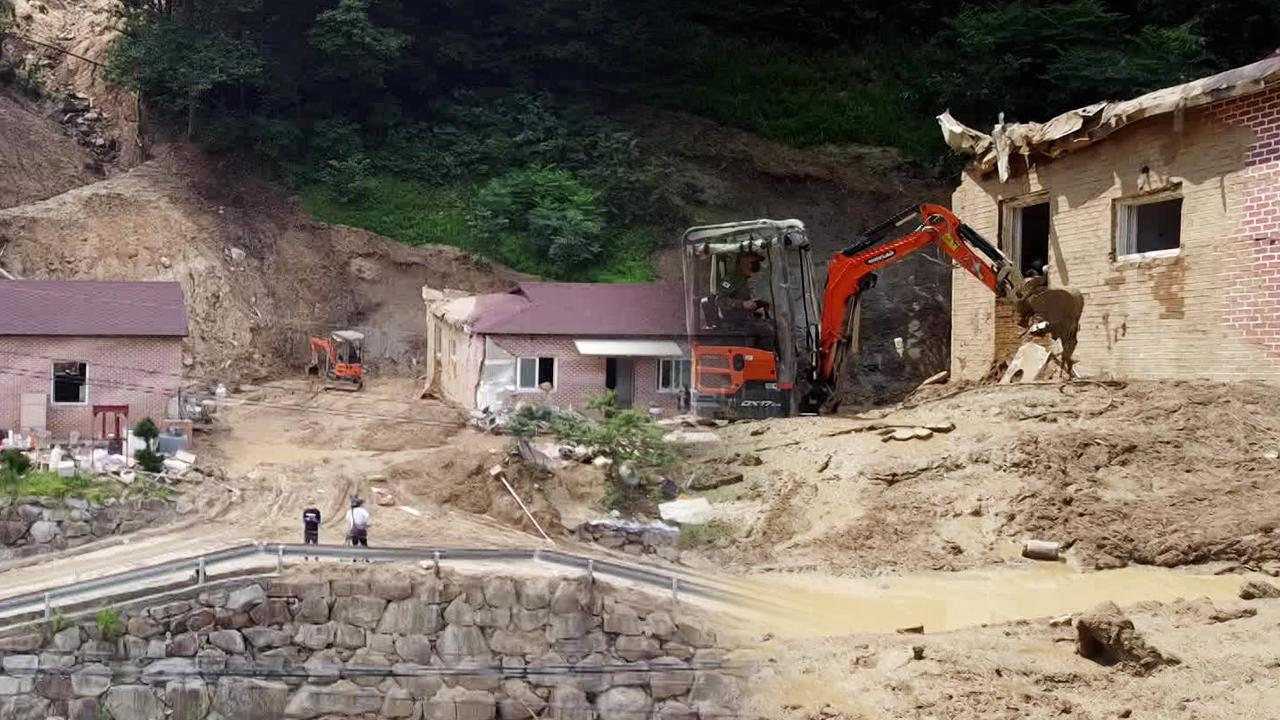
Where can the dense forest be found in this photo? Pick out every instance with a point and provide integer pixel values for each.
(487, 124)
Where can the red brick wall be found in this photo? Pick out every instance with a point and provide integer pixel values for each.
(1253, 293)
(1208, 311)
(579, 377)
(140, 372)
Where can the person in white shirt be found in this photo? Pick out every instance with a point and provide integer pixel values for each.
(358, 522)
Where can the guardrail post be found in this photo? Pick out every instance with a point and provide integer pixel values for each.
(537, 555)
(675, 590)
(48, 608)
(591, 572)
(200, 574)
(279, 559)
(435, 559)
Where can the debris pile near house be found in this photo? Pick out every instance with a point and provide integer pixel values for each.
(633, 537)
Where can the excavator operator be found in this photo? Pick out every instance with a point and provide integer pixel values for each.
(739, 310)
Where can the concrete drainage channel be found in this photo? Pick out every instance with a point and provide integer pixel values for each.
(195, 571)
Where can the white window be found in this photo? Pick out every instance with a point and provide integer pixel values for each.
(1148, 227)
(674, 374)
(70, 383)
(1025, 233)
(532, 372)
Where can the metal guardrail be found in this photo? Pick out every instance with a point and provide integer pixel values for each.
(201, 565)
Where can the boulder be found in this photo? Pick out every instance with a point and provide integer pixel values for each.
(381, 642)
(367, 668)
(349, 637)
(421, 681)
(83, 709)
(398, 704)
(323, 667)
(364, 611)
(262, 638)
(710, 477)
(162, 671)
(531, 620)
(240, 697)
(228, 641)
(505, 642)
(658, 624)
(535, 593)
(571, 596)
(16, 686)
(414, 649)
(91, 680)
(185, 645)
(633, 647)
(675, 710)
(272, 612)
(570, 703)
(43, 531)
(133, 702)
(411, 617)
(624, 703)
(568, 625)
(500, 592)
(242, 600)
(1107, 637)
(314, 611)
(187, 699)
(547, 671)
(21, 665)
(458, 643)
(349, 588)
(315, 637)
(21, 643)
(622, 620)
(695, 636)
(1257, 590)
(391, 587)
(461, 704)
(669, 677)
(519, 701)
(712, 687)
(460, 612)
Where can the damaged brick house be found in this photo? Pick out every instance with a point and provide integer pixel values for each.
(560, 343)
(88, 357)
(1163, 210)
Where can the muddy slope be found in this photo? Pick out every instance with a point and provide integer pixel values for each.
(1156, 473)
(37, 159)
(259, 277)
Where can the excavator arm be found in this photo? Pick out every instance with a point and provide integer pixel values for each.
(851, 270)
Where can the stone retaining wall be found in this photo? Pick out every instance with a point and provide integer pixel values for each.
(34, 525)
(633, 540)
(389, 643)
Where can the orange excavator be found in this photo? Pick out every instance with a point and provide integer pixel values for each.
(337, 361)
(761, 344)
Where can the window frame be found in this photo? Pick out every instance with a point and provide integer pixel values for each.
(1011, 224)
(1122, 210)
(688, 362)
(537, 359)
(53, 383)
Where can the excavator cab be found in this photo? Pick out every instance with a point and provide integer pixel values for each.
(751, 316)
(338, 361)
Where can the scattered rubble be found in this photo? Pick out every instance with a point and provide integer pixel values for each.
(1258, 590)
(633, 538)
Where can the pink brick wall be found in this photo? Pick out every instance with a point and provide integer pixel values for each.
(579, 377)
(141, 372)
(1253, 295)
(1208, 311)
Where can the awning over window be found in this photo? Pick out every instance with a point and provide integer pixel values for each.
(629, 348)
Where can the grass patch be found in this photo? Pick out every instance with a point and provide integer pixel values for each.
(42, 483)
(805, 98)
(703, 534)
(417, 213)
(109, 624)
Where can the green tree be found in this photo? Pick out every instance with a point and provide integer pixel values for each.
(8, 17)
(353, 48)
(544, 215)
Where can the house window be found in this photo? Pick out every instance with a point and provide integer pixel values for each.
(674, 374)
(70, 383)
(1026, 234)
(531, 373)
(1148, 227)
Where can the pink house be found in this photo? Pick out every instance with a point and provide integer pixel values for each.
(559, 343)
(88, 357)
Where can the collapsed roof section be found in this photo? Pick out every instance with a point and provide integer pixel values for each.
(1077, 129)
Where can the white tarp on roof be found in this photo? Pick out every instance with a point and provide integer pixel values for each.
(629, 348)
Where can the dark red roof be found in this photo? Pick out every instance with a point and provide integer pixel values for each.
(582, 309)
(92, 308)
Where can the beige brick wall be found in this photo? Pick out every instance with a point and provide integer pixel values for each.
(141, 372)
(1209, 312)
(579, 377)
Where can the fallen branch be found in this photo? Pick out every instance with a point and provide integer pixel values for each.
(1111, 399)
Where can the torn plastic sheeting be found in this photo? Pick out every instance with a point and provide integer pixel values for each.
(1079, 128)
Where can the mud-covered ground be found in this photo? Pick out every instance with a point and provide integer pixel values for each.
(1225, 666)
(1167, 474)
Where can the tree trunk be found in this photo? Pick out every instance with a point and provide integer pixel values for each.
(191, 117)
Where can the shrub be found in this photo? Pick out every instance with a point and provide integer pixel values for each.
(109, 624)
(15, 461)
(149, 460)
(703, 534)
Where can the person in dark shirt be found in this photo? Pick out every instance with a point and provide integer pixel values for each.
(311, 526)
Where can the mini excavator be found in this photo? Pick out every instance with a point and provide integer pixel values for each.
(778, 352)
(336, 362)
